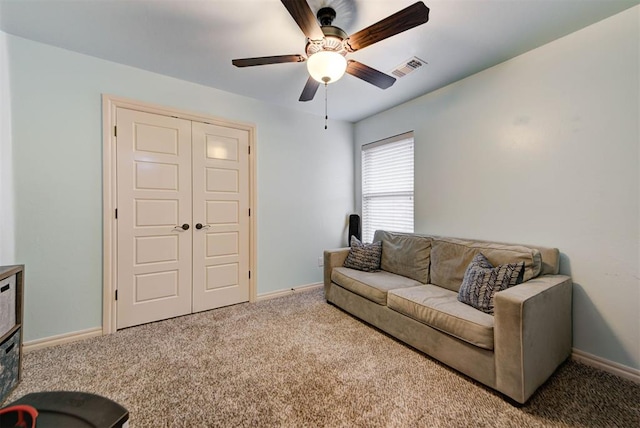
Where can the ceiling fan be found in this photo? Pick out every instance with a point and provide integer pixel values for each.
(327, 46)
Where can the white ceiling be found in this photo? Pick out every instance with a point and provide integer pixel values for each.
(195, 40)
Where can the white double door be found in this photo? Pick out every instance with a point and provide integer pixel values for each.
(182, 216)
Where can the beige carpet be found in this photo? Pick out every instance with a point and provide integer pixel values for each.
(297, 361)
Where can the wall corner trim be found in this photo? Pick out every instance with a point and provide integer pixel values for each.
(61, 339)
(287, 292)
(609, 366)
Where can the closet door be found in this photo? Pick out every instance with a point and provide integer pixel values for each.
(154, 193)
(220, 216)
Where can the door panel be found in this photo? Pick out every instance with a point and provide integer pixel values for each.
(156, 286)
(221, 213)
(154, 195)
(222, 244)
(156, 212)
(156, 249)
(156, 176)
(221, 276)
(222, 180)
(221, 204)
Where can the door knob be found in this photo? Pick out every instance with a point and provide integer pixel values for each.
(183, 227)
(201, 226)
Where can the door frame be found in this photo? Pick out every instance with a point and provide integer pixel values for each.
(109, 194)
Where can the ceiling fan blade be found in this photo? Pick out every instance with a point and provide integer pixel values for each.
(310, 89)
(404, 20)
(371, 75)
(264, 60)
(304, 17)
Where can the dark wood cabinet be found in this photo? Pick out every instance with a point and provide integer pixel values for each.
(11, 299)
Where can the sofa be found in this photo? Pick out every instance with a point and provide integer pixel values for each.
(414, 294)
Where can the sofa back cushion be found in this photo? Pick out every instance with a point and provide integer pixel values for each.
(550, 260)
(450, 258)
(405, 254)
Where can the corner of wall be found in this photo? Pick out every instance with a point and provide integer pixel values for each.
(7, 238)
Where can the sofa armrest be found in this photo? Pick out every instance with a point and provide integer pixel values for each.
(532, 333)
(333, 258)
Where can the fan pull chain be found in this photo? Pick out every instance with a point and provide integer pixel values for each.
(326, 115)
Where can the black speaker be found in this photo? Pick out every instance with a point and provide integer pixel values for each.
(354, 227)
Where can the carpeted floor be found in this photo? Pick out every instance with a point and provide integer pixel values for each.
(297, 361)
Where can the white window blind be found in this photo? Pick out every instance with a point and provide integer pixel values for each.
(387, 186)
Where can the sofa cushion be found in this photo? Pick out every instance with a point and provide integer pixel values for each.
(364, 257)
(482, 281)
(370, 285)
(405, 254)
(439, 308)
(450, 258)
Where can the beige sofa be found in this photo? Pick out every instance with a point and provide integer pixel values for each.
(414, 297)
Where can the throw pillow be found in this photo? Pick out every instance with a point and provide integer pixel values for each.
(482, 281)
(365, 257)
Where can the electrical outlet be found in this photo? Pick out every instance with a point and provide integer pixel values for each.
(320, 261)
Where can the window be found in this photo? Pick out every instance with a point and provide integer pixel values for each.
(387, 185)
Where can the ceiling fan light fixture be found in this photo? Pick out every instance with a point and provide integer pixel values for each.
(326, 66)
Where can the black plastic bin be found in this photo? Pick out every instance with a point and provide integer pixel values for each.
(75, 410)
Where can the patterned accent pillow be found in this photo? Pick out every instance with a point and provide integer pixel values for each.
(482, 281)
(365, 257)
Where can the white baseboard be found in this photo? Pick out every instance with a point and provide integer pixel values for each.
(288, 292)
(60, 339)
(606, 365)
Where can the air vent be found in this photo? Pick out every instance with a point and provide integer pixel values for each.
(409, 66)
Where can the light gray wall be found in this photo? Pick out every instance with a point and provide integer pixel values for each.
(543, 149)
(304, 177)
